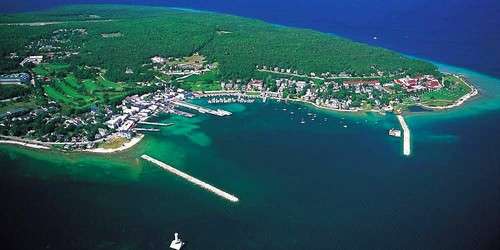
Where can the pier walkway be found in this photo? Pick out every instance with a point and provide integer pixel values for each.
(201, 109)
(191, 179)
(156, 123)
(406, 136)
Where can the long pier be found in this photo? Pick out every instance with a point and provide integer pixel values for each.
(191, 179)
(147, 129)
(156, 123)
(406, 136)
(201, 109)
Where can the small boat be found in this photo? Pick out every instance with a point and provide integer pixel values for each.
(291, 113)
(284, 109)
(345, 126)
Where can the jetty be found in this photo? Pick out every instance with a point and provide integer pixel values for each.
(201, 109)
(156, 123)
(406, 135)
(191, 179)
(147, 129)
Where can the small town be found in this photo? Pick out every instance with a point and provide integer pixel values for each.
(49, 103)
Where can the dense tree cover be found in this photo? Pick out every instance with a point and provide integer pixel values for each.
(238, 44)
(10, 91)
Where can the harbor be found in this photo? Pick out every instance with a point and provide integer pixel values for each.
(406, 136)
(191, 179)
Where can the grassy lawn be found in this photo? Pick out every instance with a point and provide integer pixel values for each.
(113, 143)
(70, 91)
(56, 95)
(55, 66)
(39, 70)
(110, 84)
(210, 75)
(73, 82)
(90, 85)
(446, 96)
(200, 86)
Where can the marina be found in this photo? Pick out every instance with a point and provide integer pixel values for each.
(191, 179)
(229, 100)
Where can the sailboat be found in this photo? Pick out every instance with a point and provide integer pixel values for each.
(302, 121)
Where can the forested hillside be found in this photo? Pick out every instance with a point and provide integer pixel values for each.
(237, 44)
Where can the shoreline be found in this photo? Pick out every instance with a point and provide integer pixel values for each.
(460, 101)
(24, 144)
(125, 146)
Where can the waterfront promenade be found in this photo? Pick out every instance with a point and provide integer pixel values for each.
(406, 136)
(191, 179)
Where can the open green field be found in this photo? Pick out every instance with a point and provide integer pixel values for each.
(46, 69)
(90, 85)
(73, 82)
(200, 86)
(446, 96)
(109, 84)
(56, 95)
(69, 91)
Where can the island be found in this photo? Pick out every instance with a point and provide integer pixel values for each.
(85, 77)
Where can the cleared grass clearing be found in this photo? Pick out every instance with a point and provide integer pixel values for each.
(56, 95)
(90, 85)
(73, 82)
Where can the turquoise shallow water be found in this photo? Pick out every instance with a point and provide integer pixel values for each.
(316, 185)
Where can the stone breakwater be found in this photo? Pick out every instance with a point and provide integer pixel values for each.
(191, 179)
(406, 136)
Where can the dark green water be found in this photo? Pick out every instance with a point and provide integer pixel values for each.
(301, 186)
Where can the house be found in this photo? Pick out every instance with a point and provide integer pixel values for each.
(32, 59)
(256, 84)
(158, 59)
(129, 71)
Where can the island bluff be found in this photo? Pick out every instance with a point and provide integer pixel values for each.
(53, 98)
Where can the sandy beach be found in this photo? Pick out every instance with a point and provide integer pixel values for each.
(125, 146)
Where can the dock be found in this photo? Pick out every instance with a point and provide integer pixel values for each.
(191, 179)
(201, 109)
(406, 136)
(156, 123)
(147, 129)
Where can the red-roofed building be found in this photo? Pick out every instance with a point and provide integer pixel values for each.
(256, 83)
(433, 84)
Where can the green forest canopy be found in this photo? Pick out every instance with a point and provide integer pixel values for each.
(151, 31)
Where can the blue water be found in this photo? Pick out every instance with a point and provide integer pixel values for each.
(458, 32)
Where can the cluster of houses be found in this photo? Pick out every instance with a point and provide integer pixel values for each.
(135, 109)
(32, 59)
(180, 69)
(419, 83)
(323, 75)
